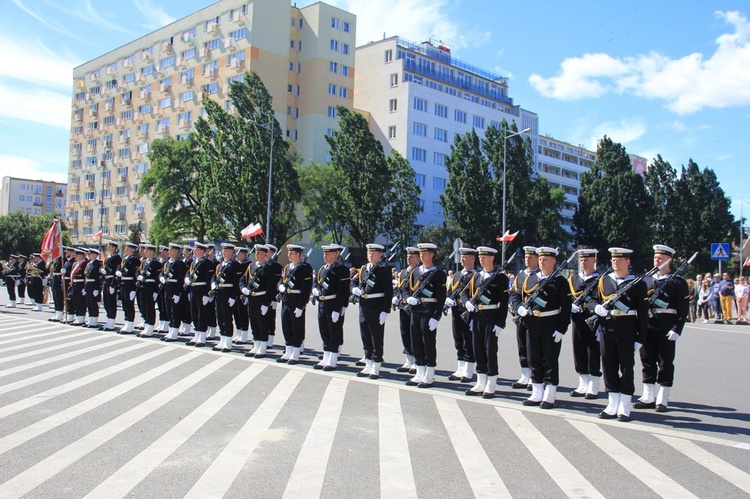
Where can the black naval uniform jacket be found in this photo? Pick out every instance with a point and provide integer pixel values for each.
(377, 288)
(333, 284)
(492, 302)
(579, 284)
(523, 286)
(671, 307)
(556, 294)
(174, 276)
(93, 278)
(621, 318)
(457, 287)
(432, 297)
(111, 266)
(260, 280)
(298, 284)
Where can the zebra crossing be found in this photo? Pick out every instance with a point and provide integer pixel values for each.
(91, 414)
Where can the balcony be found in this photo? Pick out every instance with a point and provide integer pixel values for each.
(205, 53)
(140, 215)
(230, 44)
(122, 179)
(184, 125)
(238, 65)
(213, 28)
(146, 56)
(162, 130)
(126, 101)
(109, 107)
(127, 66)
(210, 73)
(120, 217)
(95, 78)
(181, 63)
(140, 80)
(89, 184)
(165, 88)
(124, 139)
(72, 222)
(166, 47)
(120, 123)
(240, 20)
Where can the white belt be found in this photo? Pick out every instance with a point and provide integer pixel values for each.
(90, 280)
(199, 284)
(664, 311)
(548, 313)
(225, 285)
(620, 313)
(293, 292)
(57, 273)
(108, 276)
(257, 293)
(373, 295)
(78, 280)
(428, 300)
(326, 297)
(127, 278)
(488, 307)
(149, 280)
(172, 280)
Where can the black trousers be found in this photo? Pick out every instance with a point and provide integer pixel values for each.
(485, 342)
(521, 341)
(332, 333)
(10, 285)
(543, 352)
(423, 341)
(657, 358)
(57, 295)
(211, 316)
(618, 359)
(128, 304)
(92, 302)
(79, 301)
(22, 289)
(199, 311)
(259, 323)
(292, 327)
(148, 303)
(164, 308)
(586, 351)
(272, 321)
(242, 313)
(404, 322)
(462, 337)
(225, 312)
(36, 289)
(174, 310)
(109, 298)
(372, 333)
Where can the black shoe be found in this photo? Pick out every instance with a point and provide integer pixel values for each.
(470, 393)
(604, 415)
(402, 369)
(488, 395)
(360, 374)
(623, 418)
(329, 368)
(577, 394)
(453, 377)
(292, 362)
(425, 385)
(191, 343)
(360, 363)
(226, 350)
(644, 405)
(466, 380)
(200, 345)
(281, 360)
(120, 331)
(412, 370)
(532, 403)
(374, 376)
(528, 387)
(591, 396)
(168, 340)
(661, 408)
(53, 320)
(318, 367)
(260, 356)
(411, 383)
(518, 386)
(546, 405)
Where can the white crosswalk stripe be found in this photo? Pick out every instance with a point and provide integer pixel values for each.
(396, 474)
(42, 338)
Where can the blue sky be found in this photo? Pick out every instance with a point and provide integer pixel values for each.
(669, 77)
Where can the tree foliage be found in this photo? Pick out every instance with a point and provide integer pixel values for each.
(322, 203)
(22, 233)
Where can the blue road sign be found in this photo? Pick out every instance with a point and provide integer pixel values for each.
(719, 251)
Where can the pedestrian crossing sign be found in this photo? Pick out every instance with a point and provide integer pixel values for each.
(719, 251)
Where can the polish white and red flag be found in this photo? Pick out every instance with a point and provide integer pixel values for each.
(251, 230)
(507, 237)
(52, 242)
(96, 235)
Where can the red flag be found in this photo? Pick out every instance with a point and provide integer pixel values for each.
(507, 237)
(747, 263)
(251, 231)
(52, 242)
(96, 235)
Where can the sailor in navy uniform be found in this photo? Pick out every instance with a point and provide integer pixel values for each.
(37, 275)
(22, 298)
(401, 293)
(164, 309)
(187, 318)
(198, 280)
(276, 271)
(173, 289)
(258, 286)
(56, 283)
(11, 276)
(331, 290)
(109, 285)
(462, 336)
(374, 287)
(486, 301)
(126, 276)
(151, 269)
(426, 302)
(524, 285)
(93, 286)
(667, 319)
(586, 352)
(623, 331)
(225, 286)
(241, 310)
(77, 283)
(295, 288)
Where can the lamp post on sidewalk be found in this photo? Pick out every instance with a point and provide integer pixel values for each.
(505, 170)
(269, 125)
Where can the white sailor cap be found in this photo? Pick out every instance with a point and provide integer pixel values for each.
(661, 249)
(486, 250)
(79, 251)
(467, 251)
(227, 246)
(273, 248)
(620, 252)
(329, 248)
(201, 246)
(547, 251)
(587, 253)
(149, 246)
(375, 247)
(240, 249)
(131, 245)
(295, 247)
(163, 248)
(175, 246)
(529, 250)
(260, 247)
(427, 247)
(112, 243)
(16, 256)
(187, 247)
(95, 251)
(412, 250)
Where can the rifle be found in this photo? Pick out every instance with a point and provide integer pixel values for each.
(654, 300)
(422, 287)
(385, 258)
(593, 321)
(478, 295)
(584, 296)
(281, 294)
(341, 258)
(534, 298)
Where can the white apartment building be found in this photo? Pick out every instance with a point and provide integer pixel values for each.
(35, 197)
(155, 87)
(419, 97)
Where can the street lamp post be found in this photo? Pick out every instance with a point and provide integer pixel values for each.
(742, 232)
(269, 125)
(505, 170)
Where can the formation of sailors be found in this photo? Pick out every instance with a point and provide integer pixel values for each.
(614, 315)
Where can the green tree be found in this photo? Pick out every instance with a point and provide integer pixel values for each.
(660, 181)
(136, 233)
(614, 208)
(22, 233)
(322, 202)
(401, 207)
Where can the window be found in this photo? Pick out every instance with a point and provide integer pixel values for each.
(419, 129)
(437, 208)
(344, 70)
(438, 183)
(331, 112)
(343, 92)
(420, 104)
(441, 135)
(165, 103)
(186, 96)
(334, 23)
(394, 79)
(388, 55)
(331, 89)
(213, 44)
(418, 154)
(419, 179)
(460, 116)
(345, 27)
(167, 62)
(122, 191)
(335, 45)
(333, 67)
(420, 205)
(478, 122)
(239, 34)
(393, 105)
(210, 89)
(392, 132)
(441, 111)
(344, 48)
(187, 76)
(439, 159)
(89, 196)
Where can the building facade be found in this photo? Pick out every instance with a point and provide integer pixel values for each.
(35, 197)
(419, 97)
(155, 87)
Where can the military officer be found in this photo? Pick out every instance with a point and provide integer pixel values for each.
(36, 271)
(623, 332)
(331, 289)
(67, 270)
(523, 286)
(56, 284)
(426, 301)
(546, 321)
(11, 276)
(295, 288)
(241, 310)
(22, 298)
(276, 271)
(401, 293)
(187, 319)
(92, 287)
(198, 280)
(258, 285)
(462, 336)
(485, 299)
(670, 298)
(174, 278)
(586, 352)
(211, 316)
(126, 276)
(161, 299)
(77, 286)
(110, 284)
(148, 278)
(225, 286)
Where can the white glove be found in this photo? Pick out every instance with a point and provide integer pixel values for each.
(575, 309)
(357, 291)
(111, 290)
(232, 301)
(395, 300)
(298, 312)
(132, 295)
(412, 301)
(274, 305)
(140, 278)
(162, 279)
(315, 292)
(282, 288)
(246, 291)
(155, 295)
(672, 336)
(497, 330)
(450, 303)
(64, 271)
(381, 318)
(335, 317)
(601, 311)
(522, 311)
(557, 336)
(343, 312)
(470, 307)
(637, 346)
(83, 292)
(432, 324)
(103, 271)
(44, 281)
(118, 273)
(96, 293)
(187, 281)
(214, 286)
(598, 335)
(205, 300)
(176, 298)
(263, 309)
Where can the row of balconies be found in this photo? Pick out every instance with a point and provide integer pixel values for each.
(119, 217)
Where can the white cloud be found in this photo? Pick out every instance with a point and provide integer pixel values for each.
(36, 105)
(156, 17)
(623, 131)
(31, 61)
(48, 22)
(16, 166)
(686, 85)
(88, 13)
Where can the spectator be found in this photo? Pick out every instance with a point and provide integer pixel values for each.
(715, 302)
(704, 300)
(726, 295)
(693, 298)
(741, 292)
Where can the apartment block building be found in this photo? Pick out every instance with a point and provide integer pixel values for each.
(156, 85)
(419, 97)
(35, 197)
